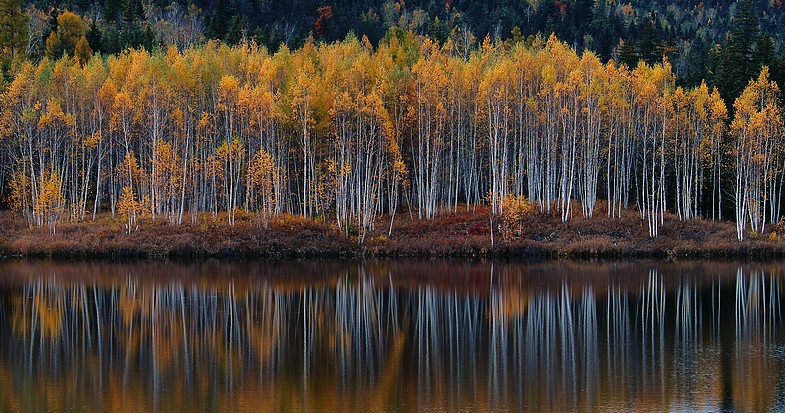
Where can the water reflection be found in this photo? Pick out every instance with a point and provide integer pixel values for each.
(391, 336)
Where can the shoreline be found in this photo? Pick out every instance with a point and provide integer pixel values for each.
(460, 235)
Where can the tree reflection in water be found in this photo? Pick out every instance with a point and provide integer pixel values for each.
(380, 336)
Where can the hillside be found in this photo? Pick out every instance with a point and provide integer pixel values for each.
(700, 38)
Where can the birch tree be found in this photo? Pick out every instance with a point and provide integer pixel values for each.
(622, 145)
(651, 85)
(591, 86)
(495, 95)
(429, 112)
(757, 129)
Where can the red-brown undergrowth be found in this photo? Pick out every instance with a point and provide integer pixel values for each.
(463, 232)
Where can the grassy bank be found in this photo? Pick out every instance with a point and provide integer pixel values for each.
(451, 234)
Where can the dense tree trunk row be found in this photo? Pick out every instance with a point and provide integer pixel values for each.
(345, 132)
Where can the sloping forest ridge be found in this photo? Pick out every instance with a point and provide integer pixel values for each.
(505, 144)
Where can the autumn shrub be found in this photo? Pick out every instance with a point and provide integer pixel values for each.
(779, 227)
(378, 241)
(516, 210)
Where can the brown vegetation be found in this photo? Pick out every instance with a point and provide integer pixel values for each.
(522, 233)
(532, 234)
(208, 237)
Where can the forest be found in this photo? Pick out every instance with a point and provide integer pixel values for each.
(723, 42)
(344, 131)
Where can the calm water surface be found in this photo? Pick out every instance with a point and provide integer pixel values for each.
(391, 336)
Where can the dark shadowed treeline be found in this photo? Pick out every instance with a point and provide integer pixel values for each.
(346, 132)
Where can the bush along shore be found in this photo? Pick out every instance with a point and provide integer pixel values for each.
(518, 233)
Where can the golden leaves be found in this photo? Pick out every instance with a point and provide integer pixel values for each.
(50, 203)
(128, 207)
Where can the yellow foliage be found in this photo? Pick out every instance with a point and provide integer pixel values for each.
(50, 203)
(128, 171)
(92, 141)
(515, 210)
(380, 240)
(19, 196)
(129, 207)
(167, 169)
(780, 225)
(263, 175)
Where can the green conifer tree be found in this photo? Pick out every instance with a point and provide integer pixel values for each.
(13, 28)
(738, 61)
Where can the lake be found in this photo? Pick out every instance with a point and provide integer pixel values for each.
(400, 336)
